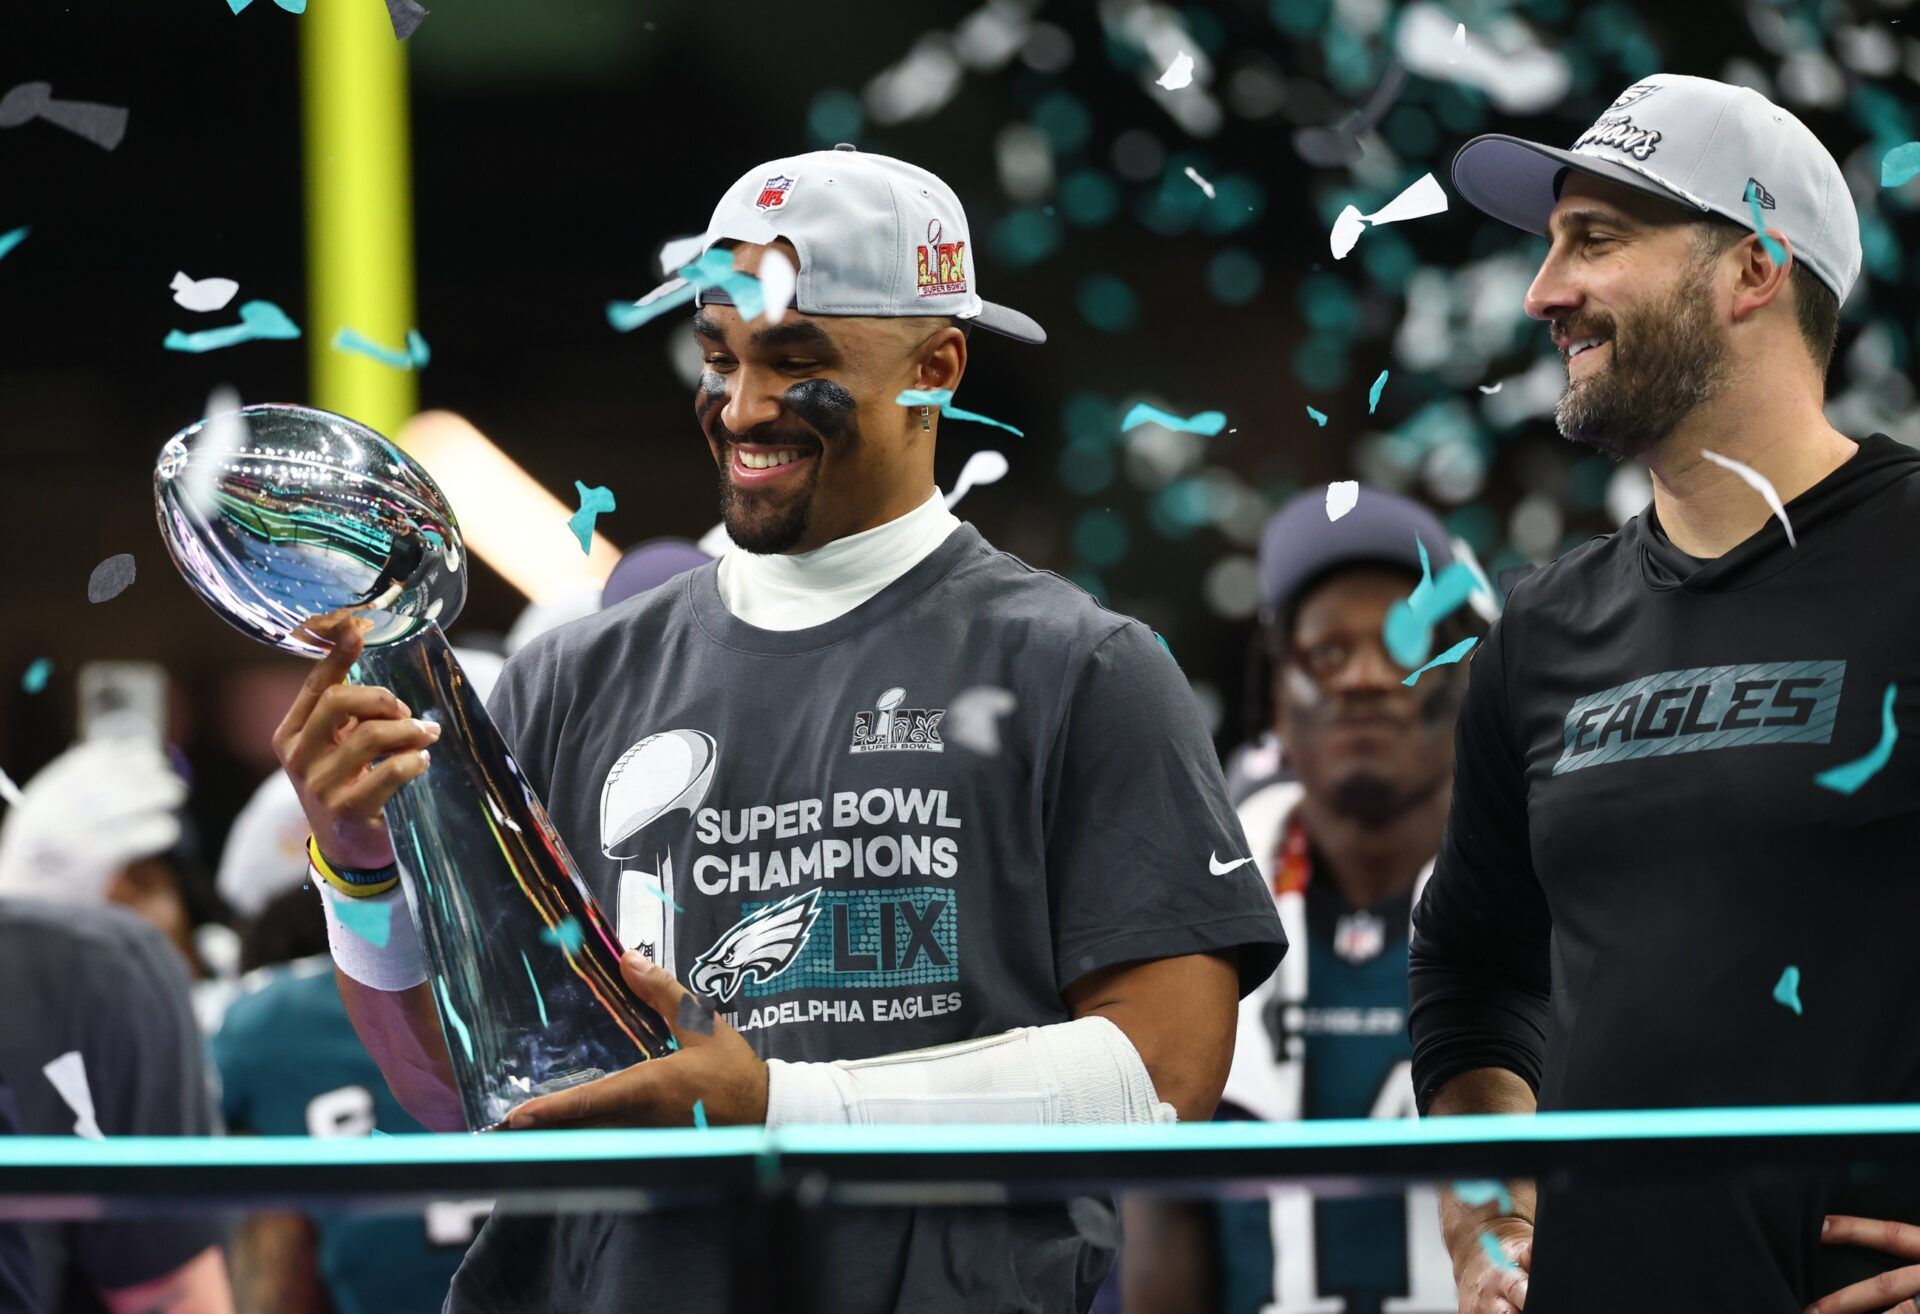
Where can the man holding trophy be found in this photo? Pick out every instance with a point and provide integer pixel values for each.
(898, 828)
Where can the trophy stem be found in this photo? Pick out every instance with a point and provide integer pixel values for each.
(523, 963)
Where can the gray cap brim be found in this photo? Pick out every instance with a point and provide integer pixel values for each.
(1009, 323)
(1513, 180)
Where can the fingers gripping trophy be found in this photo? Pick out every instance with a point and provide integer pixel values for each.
(311, 532)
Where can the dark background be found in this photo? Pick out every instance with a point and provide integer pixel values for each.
(557, 143)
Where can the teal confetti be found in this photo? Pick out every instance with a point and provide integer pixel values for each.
(713, 269)
(1774, 249)
(1497, 1253)
(1787, 990)
(649, 888)
(1319, 418)
(567, 935)
(700, 1114)
(1373, 393)
(1478, 1193)
(10, 240)
(1204, 423)
(943, 398)
(628, 315)
(371, 920)
(258, 320)
(459, 1027)
(592, 502)
(378, 1132)
(1164, 643)
(36, 677)
(412, 358)
(1901, 165)
(1447, 658)
(538, 999)
(1849, 776)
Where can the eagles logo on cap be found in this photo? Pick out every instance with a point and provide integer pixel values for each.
(1638, 91)
(773, 192)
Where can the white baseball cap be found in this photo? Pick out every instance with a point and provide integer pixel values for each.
(875, 236)
(1694, 142)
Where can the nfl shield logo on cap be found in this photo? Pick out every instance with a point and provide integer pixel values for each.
(773, 192)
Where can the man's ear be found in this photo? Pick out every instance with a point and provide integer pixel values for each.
(1761, 278)
(942, 360)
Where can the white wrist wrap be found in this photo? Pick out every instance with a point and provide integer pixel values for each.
(1084, 1071)
(396, 965)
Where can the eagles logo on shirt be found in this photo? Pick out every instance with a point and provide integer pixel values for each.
(758, 947)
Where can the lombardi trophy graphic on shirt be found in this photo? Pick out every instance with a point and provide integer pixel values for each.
(663, 774)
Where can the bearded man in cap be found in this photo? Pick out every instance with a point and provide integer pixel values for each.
(1668, 806)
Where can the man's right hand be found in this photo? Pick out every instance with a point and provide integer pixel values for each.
(328, 742)
(1486, 1287)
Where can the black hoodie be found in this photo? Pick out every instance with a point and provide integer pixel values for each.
(1638, 852)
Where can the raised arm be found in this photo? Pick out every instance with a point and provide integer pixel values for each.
(327, 743)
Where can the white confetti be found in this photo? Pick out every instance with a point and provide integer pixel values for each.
(1493, 388)
(224, 435)
(68, 1073)
(1423, 198)
(982, 468)
(973, 718)
(1342, 496)
(776, 284)
(10, 791)
(205, 294)
(1179, 73)
(1202, 183)
(1459, 43)
(1759, 483)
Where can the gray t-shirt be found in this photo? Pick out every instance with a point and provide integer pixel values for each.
(104, 983)
(913, 825)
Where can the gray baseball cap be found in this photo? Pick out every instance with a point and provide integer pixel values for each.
(875, 236)
(1694, 142)
(1300, 545)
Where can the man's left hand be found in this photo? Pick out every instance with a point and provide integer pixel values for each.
(717, 1068)
(1896, 1291)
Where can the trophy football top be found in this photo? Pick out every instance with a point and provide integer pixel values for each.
(278, 515)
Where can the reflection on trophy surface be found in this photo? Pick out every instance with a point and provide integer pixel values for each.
(281, 516)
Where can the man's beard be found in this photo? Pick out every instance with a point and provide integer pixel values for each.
(764, 523)
(1674, 360)
(760, 523)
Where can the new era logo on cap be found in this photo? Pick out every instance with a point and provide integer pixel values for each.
(873, 236)
(1694, 143)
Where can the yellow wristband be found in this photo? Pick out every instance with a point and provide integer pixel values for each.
(352, 881)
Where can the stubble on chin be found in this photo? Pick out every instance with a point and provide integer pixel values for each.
(1675, 362)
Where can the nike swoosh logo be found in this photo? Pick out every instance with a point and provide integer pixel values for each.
(1219, 868)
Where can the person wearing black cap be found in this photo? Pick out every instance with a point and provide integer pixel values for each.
(1345, 846)
(941, 838)
(1678, 868)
